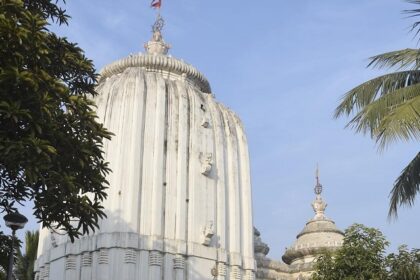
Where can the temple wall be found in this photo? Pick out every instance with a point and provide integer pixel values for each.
(179, 202)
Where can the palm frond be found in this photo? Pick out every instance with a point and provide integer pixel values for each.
(402, 123)
(407, 58)
(25, 262)
(414, 13)
(364, 94)
(31, 243)
(371, 118)
(406, 187)
(388, 107)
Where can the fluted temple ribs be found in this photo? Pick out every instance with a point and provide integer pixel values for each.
(179, 200)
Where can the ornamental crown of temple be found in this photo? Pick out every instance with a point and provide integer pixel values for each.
(157, 45)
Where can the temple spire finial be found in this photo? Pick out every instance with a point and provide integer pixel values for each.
(318, 205)
(318, 186)
(157, 45)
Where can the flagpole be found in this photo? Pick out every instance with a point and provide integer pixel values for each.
(158, 16)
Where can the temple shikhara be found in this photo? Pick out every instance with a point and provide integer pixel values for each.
(179, 204)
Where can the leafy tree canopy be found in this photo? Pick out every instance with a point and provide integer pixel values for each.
(4, 254)
(50, 140)
(362, 257)
(404, 265)
(5, 244)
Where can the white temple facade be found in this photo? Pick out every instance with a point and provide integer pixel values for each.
(179, 203)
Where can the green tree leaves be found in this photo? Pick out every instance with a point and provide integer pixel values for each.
(362, 257)
(50, 140)
(403, 191)
(5, 243)
(405, 265)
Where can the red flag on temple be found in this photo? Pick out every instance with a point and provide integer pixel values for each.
(156, 3)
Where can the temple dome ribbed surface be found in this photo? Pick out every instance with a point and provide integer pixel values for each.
(316, 237)
(166, 65)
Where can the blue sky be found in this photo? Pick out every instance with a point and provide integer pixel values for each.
(282, 66)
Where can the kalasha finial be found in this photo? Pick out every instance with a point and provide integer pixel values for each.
(159, 24)
(318, 186)
(318, 205)
(157, 45)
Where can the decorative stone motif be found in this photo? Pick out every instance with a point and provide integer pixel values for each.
(152, 63)
(70, 262)
(214, 271)
(205, 123)
(208, 233)
(103, 257)
(46, 272)
(319, 207)
(235, 273)
(130, 256)
(87, 259)
(206, 163)
(155, 258)
(221, 269)
(249, 275)
(53, 240)
(179, 262)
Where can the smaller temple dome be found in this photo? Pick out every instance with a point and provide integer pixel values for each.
(320, 234)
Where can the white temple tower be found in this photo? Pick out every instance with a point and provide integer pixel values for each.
(179, 202)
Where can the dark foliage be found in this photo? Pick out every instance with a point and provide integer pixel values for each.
(5, 243)
(50, 140)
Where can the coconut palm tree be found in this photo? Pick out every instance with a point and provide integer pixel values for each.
(388, 108)
(25, 263)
